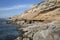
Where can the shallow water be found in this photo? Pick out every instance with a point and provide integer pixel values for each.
(8, 31)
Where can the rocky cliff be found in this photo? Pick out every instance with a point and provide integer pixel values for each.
(40, 22)
(47, 10)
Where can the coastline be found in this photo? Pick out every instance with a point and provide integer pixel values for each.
(41, 22)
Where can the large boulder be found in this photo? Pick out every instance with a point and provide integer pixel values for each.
(52, 33)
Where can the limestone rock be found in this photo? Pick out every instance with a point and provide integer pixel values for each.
(41, 21)
(30, 30)
(42, 35)
(52, 33)
(48, 10)
(25, 38)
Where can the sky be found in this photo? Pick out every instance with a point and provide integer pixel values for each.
(10, 8)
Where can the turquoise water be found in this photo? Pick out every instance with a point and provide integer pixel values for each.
(8, 31)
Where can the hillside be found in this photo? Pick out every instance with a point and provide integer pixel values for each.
(46, 11)
(40, 22)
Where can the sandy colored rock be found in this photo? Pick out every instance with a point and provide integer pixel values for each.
(41, 21)
(48, 10)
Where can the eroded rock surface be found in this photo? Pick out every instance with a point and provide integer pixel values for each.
(41, 21)
(47, 11)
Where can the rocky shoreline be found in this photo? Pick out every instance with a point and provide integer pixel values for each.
(41, 31)
(40, 22)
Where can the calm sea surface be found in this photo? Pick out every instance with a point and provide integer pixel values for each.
(8, 31)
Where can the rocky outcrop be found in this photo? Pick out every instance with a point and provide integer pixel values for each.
(41, 31)
(47, 11)
(41, 21)
(49, 31)
(52, 33)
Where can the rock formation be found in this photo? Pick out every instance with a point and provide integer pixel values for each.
(47, 10)
(41, 21)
